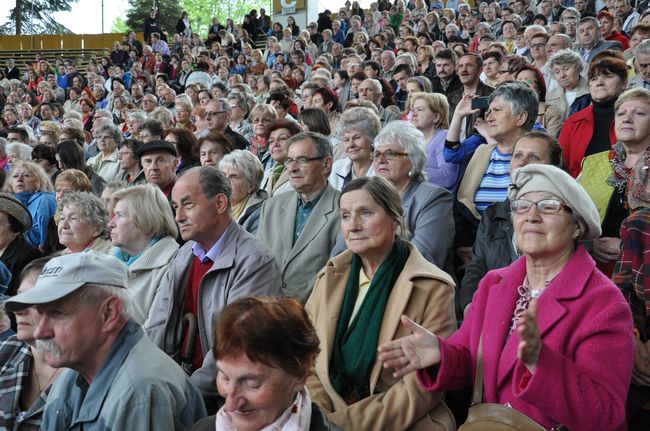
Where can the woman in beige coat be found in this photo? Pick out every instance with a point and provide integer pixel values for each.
(356, 305)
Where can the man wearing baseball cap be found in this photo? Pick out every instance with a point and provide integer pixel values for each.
(117, 378)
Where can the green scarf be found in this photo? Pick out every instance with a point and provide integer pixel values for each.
(355, 344)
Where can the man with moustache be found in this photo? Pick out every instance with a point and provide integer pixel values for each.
(103, 383)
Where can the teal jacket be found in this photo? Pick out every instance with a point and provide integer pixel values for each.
(138, 387)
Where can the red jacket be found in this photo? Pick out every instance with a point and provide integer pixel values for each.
(575, 136)
(585, 364)
(625, 42)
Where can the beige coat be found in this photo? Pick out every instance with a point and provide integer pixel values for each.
(556, 97)
(425, 294)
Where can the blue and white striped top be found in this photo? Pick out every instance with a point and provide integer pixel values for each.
(494, 186)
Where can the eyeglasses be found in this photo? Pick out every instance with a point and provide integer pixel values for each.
(209, 114)
(300, 161)
(389, 155)
(545, 206)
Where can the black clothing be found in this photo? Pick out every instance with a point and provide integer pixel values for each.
(603, 119)
(151, 25)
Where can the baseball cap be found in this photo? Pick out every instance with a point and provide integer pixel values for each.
(63, 275)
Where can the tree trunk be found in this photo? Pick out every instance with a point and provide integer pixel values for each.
(19, 17)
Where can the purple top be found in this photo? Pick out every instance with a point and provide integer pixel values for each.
(439, 172)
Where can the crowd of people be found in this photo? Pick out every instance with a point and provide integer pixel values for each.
(348, 229)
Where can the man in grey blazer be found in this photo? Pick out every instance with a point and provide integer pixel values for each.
(300, 226)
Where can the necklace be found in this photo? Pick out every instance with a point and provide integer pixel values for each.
(47, 384)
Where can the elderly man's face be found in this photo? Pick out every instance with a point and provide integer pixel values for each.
(159, 168)
(555, 44)
(387, 60)
(311, 176)
(367, 91)
(588, 34)
(216, 117)
(195, 212)
(70, 333)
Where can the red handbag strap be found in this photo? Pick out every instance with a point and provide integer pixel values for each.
(477, 396)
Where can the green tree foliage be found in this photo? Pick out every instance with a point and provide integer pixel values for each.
(169, 11)
(202, 11)
(35, 17)
(119, 25)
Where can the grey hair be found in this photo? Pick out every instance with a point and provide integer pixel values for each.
(566, 56)
(574, 12)
(225, 106)
(239, 99)
(453, 27)
(361, 119)
(139, 116)
(375, 83)
(24, 150)
(103, 113)
(321, 142)
(149, 210)
(535, 28)
(406, 56)
(644, 47)
(92, 294)
(411, 140)
(163, 115)
(183, 98)
(247, 163)
(213, 182)
(115, 132)
(91, 208)
(521, 98)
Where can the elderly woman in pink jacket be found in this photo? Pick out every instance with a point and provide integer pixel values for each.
(557, 336)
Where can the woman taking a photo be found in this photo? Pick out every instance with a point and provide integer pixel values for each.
(430, 115)
(388, 277)
(549, 320)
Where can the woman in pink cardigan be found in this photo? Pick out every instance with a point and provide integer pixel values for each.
(558, 343)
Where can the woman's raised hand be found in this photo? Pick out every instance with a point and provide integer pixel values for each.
(530, 338)
(464, 107)
(413, 352)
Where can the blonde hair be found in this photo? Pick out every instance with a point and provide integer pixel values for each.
(437, 103)
(638, 93)
(149, 210)
(43, 182)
